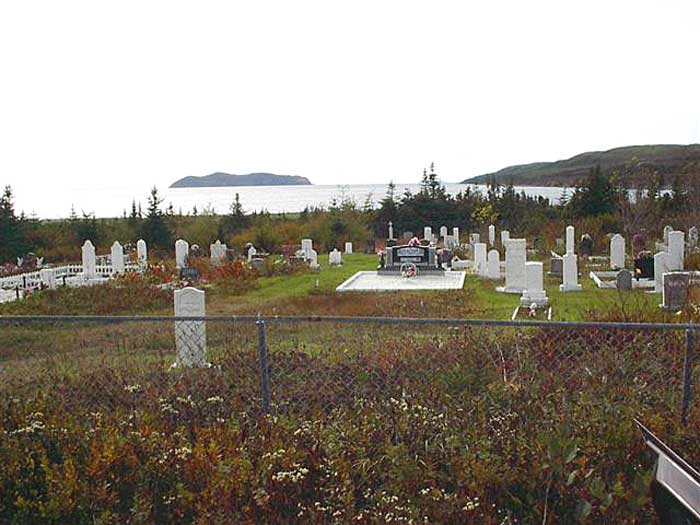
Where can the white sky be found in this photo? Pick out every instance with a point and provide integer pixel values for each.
(137, 93)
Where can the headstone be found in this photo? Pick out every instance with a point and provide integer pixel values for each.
(48, 278)
(667, 230)
(407, 236)
(182, 250)
(391, 230)
(556, 266)
(252, 252)
(675, 291)
(693, 238)
(570, 239)
(449, 242)
(493, 265)
(306, 246)
(676, 251)
(142, 253)
(660, 268)
(190, 336)
(492, 235)
(117, 258)
(424, 258)
(443, 231)
(428, 233)
(624, 280)
(474, 238)
(217, 252)
(570, 273)
(348, 248)
(89, 261)
(505, 237)
(334, 258)
(480, 259)
(617, 251)
(534, 285)
(455, 235)
(559, 242)
(515, 265)
(313, 259)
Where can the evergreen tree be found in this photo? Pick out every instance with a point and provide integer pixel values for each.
(155, 231)
(596, 196)
(234, 221)
(12, 235)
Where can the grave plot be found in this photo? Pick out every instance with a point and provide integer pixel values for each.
(368, 281)
(614, 280)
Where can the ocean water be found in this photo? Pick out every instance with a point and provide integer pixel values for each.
(112, 202)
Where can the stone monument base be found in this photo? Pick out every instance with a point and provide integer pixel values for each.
(538, 298)
(570, 287)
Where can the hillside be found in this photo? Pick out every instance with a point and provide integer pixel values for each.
(252, 179)
(629, 162)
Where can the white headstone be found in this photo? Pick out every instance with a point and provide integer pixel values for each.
(617, 251)
(570, 273)
(675, 292)
(443, 231)
(676, 251)
(89, 261)
(693, 237)
(142, 253)
(48, 277)
(516, 255)
(190, 336)
(348, 248)
(391, 231)
(306, 246)
(252, 252)
(505, 236)
(493, 265)
(428, 233)
(335, 258)
(117, 258)
(660, 268)
(455, 235)
(667, 230)
(570, 239)
(313, 258)
(217, 252)
(474, 238)
(182, 250)
(534, 285)
(492, 235)
(480, 259)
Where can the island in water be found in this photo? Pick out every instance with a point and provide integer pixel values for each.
(219, 179)
(631, 164)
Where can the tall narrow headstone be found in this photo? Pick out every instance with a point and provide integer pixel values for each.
(217, 252)
(516, 255)
(617, 251)
(493, 265)
(570, 273)
(660, 268)
(534, 292)
(391, 230)
(117, 253)
(570, 239)
(428, 233)
(142, 253)
(455, 235)
(313, 260)
(675, 290)
(348, 248)
(693, 238)
(505, 237)
(182, 250)
(334, 258)
(190, 336)
(480, 259)
(676, 251)
(89, 261)
(252, 252)
(492, 235)
(667, 230)
(443, 231)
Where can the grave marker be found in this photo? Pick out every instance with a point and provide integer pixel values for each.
(624, 280)
(493, 265)
(217, 252)
(142, 253)
(348, 248)
(675, 291)
(480, 259)
(676, 251)
(660, 268)
(117, 255)
(190, 336)
(89, 261)
(534, 292)
(516, 256)
(617, 251)
(182, 251)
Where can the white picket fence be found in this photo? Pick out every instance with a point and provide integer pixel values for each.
(33, 280)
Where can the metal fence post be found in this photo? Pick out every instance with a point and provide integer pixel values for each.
(264, 370)
(688, 374)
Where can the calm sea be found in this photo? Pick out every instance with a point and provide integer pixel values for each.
(111, 202)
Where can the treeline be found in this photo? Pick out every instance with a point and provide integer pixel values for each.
(598, 205)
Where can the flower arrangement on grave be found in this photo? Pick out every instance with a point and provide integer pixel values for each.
(415, 241)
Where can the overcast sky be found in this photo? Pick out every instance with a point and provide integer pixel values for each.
(145, 92)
